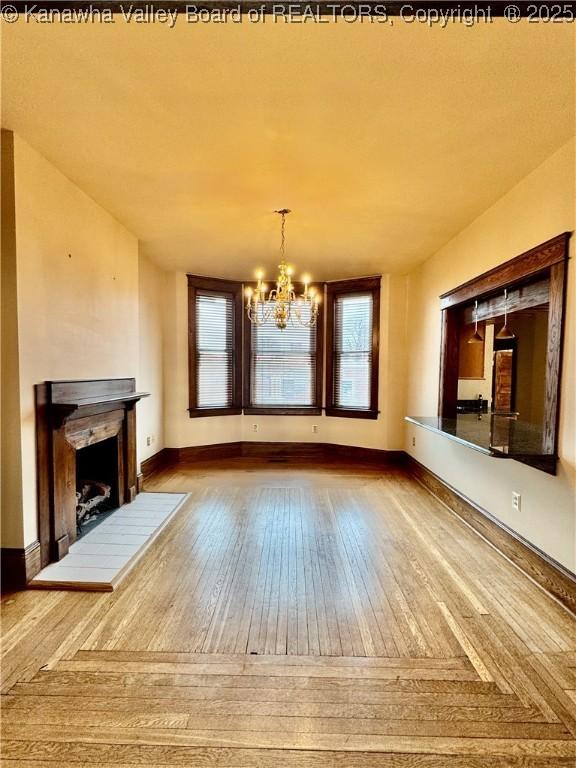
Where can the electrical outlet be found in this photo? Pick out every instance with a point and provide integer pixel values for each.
(254, 427)
(315, 428)
(413, 442)
(148, 441)
(516, 501)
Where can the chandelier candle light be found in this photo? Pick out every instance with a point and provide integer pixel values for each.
(282, 304)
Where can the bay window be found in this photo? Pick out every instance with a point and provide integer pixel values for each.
(237, 366)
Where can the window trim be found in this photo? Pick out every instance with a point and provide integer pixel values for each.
(312, 410)
(334, 290)
(218, 287)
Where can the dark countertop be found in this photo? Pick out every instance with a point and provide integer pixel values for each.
(492, 434)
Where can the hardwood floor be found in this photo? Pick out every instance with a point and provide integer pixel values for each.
(292, 615)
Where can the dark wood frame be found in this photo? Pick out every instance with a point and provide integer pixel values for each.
(548, 260)
(218, 288)
(312, 410)
(349, 287)
(71, 415)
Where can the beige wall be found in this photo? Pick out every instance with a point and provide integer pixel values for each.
(78, 298)
(539, 207)
(385, 432)
(150, 417)
(11, 462)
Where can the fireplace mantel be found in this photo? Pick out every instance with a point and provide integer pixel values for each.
(71, 415)
(73, 399)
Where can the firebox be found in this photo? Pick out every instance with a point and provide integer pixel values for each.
(97, 484)
(86, 440)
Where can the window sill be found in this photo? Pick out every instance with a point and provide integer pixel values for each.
(200, 413)
(283, 411)
(350, 413)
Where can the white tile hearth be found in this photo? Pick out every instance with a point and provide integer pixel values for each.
(101, 558)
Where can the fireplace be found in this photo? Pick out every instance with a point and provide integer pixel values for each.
(86, 439)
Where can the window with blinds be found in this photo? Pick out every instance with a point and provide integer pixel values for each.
(284, 366)
(215, 350)
(353, 351)
(215, 307)
(352, 376)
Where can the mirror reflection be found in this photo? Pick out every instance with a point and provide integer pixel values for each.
(502, 364)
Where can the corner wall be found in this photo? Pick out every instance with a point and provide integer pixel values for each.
(150, 415)
(541, 206)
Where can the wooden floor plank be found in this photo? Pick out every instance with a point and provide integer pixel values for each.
(437, 745)
(328, 662)
(121, 756)
(38, 704)
(268, 693)
(342, 684)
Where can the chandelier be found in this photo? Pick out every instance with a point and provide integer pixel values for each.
(282, 304)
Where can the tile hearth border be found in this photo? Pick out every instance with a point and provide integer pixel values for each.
(102, 558)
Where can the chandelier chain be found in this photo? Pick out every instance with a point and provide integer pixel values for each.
(283, 237)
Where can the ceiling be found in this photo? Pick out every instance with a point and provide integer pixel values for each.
(385, 141)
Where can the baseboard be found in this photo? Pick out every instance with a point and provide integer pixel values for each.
(283, 450)
(158, 461)
(18, 566)
(194, 453)
(265, 450)
(543, 569)
(366, 455)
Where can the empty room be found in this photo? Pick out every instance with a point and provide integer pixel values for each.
(288, 386)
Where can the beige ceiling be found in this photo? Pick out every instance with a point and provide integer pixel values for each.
(384, 140)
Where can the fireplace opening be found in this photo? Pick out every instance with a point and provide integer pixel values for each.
(97, 484)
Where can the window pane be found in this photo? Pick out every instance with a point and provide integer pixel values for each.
(353, 351)
(214, 325)
(283, 364)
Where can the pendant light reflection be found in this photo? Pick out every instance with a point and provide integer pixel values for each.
(505, 332)
(476, 338)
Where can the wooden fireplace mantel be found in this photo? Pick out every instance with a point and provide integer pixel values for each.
(71, 415)
(92, 405)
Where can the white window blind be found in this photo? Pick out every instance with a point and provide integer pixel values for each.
(214, 350)
(353, 351)
(283, 365)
